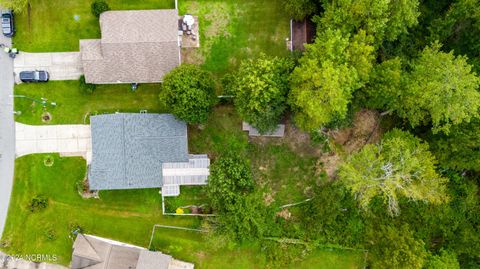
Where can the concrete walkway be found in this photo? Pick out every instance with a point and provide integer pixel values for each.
(9, 262)
(68, 140)
(60, 65)
(7, 132)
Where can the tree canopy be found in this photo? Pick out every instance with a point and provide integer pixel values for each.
(461, 148)
(383, 19)
(230, 177)
(441, 89)
(323, 82)
(399, 166)
(260, 89)
(189, 92)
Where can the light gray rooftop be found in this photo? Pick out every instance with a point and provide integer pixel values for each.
(128, 149)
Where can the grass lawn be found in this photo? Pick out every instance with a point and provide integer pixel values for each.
(284, 173)
(193, 247)
(58, 25)
(122, 215)
(73, 106)
(231, 31)
(189, 195)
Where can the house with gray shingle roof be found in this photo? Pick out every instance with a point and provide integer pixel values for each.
(93, 252)
(140, 150)
(137, 46)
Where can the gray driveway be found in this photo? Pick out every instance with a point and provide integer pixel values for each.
(7, 132)
(68, 140)
(60, 65)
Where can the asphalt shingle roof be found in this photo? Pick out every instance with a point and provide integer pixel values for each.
(137, 46)
(128, 149)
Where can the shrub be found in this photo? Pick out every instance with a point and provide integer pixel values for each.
(98, 7)
(86, 88)
(189, 92)
(51, 234)
(38, 203)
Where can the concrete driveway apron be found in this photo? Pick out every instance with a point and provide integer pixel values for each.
(68, 140)
(60, 65)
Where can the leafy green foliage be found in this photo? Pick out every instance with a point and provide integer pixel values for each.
(189, 92)
(98, 7)
(242, 214)
(441, 89)
(299, 9)
(86, 88)
(383, 19)
(396, 247)
(331, 69)
(461, 148)
(230, 178)
(400, 166)
(446, 260)
(385, 85)
(261, 88)
(459, 30)
(38, 203)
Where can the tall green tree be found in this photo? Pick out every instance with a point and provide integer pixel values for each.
(399, 166)
(385, 85)
(395, 248)
(299, 9)
(459, 30)
(461, 148)
(384, 19)
(323, 82)
(189, 92)
(446, 260)
(260, 89)
(441, 89)
(230, 178)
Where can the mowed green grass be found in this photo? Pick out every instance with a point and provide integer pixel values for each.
(231, 30)
(127, 216)
(194, 247)
(58, 25)
(73, 106)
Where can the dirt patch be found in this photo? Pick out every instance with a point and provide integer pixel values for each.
(192, 56)
(268, 199)
(284, 214)
(46, 117)
(328, 164)
(365, 130)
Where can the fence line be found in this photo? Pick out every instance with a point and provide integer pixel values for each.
(188, 214)
(171, 227)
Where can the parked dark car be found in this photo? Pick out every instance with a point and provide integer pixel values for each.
(34, 76)
(8, 28)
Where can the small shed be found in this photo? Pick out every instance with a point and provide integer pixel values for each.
(302, 32)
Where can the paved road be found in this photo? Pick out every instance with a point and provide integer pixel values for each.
(7, 132)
